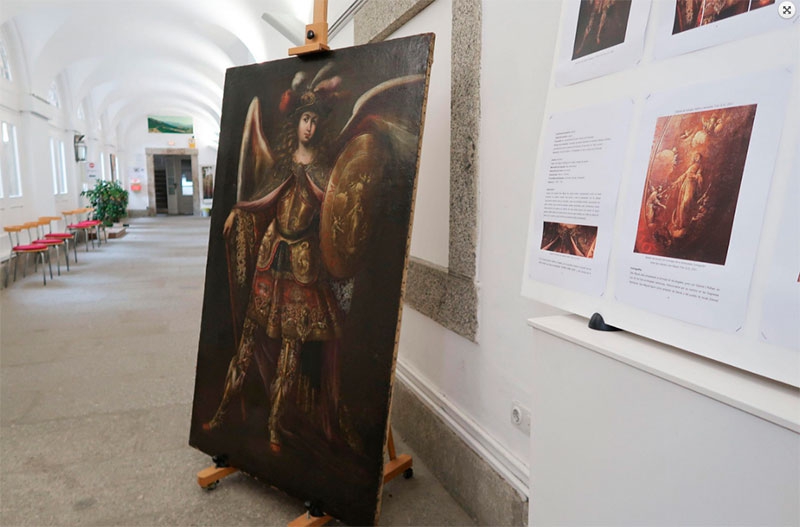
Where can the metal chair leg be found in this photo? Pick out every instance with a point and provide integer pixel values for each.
(58, 262)
(44, 276)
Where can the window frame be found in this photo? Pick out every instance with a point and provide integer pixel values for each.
(9, 130)
(5, 63)
(58, 166)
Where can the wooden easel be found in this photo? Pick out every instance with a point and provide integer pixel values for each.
(209, 478)
(316, 32)
(397, 465)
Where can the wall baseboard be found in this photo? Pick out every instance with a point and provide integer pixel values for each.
(487, 481)
(139, 213)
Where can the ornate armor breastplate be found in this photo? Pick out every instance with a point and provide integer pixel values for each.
(298, 207)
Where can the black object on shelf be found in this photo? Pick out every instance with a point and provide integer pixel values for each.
(597, 322)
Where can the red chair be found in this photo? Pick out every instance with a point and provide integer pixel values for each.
(55, 243)
(95, 224)
(17, 249)
(69, 238)
(75, 225)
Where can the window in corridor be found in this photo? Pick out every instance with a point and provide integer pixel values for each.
(58, 163)
(53, 97)
(9, 162)
(5, 65)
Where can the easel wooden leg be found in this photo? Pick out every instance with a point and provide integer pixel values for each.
(397, 465)
(208, 478)
(306, 520)
(314, 517)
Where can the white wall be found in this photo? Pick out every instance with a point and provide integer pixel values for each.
(430, 234)
(36, 122)
(613, 445)
(477, 382)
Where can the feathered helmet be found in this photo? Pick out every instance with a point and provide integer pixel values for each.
(316, 96)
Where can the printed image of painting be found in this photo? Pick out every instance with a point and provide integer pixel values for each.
(692, 185)
(601, 25)
(315, 180)
(207, 173)
(170, 125)
(756, 4)
(578, 240)
(690, 14)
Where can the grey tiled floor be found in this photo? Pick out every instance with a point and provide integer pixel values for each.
(96, 383)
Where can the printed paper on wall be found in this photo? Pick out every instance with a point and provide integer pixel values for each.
(575, 195)
(600, 37)
(781, 311)
(696, 199)
(689, 25)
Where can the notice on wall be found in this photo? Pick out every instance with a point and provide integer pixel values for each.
(92, 171)
(694, 203)
(689, 25)
(598, 38)
(781, 312)
(575, 195)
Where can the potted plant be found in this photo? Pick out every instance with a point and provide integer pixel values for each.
(109, 200)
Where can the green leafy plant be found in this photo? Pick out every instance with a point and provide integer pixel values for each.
(109, 200)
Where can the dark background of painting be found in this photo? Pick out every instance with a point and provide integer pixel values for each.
(613, 33)
(309, 467)
(724, 155)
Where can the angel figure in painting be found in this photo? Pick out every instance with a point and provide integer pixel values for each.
(653, 204)
(295, 238)
(689, 186)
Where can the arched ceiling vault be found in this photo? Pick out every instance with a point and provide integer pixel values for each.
(126, 59)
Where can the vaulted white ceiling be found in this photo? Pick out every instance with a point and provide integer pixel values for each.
(131, 58)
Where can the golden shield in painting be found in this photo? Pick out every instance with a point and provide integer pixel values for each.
(348, 206)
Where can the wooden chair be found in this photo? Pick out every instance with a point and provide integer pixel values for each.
(69, 238)
(97, 224)
(18, 249)
(75, 225)
(55, 243)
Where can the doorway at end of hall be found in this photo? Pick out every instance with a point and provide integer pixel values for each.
(173, 184)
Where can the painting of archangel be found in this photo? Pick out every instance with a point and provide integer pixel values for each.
(601, 25)
(691, 14)
(313, 199)
(692, 185)
(566, 238)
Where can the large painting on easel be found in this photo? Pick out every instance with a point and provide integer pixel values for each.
(314, 194)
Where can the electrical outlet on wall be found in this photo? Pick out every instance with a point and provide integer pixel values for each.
(521, 417)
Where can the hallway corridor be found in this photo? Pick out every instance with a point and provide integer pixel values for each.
(97, 375)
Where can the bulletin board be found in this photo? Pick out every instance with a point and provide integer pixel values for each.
(666, 188)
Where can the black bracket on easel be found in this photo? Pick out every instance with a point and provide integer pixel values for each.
(597, 322)
(314, 508)
(220, 461)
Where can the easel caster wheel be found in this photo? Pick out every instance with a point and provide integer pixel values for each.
(211, 486)
(408, 473)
